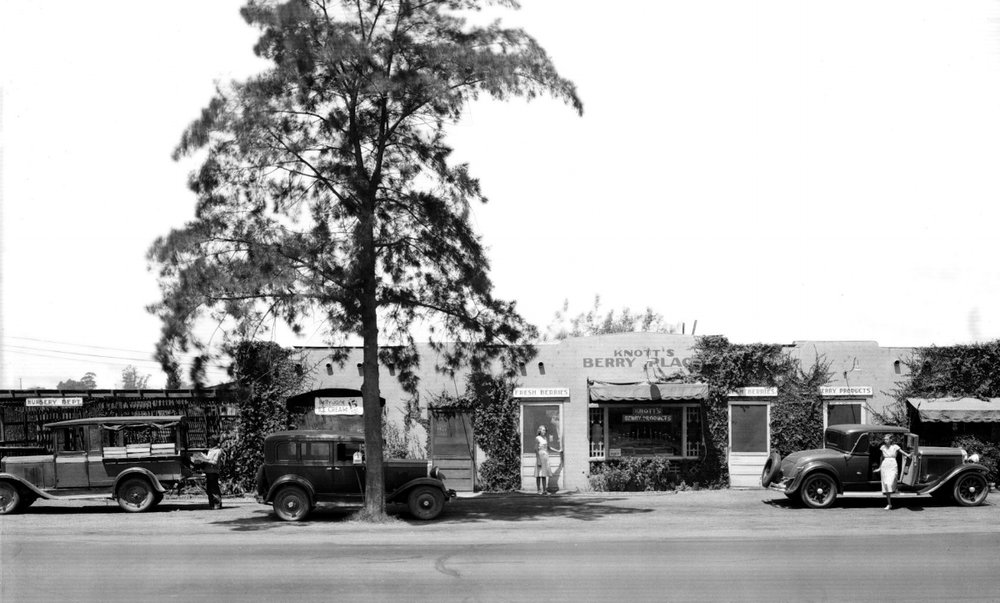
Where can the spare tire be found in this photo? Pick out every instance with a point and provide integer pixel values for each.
(771, 468)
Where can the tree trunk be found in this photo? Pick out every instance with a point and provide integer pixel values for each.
(374, 465)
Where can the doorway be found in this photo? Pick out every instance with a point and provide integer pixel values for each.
(749, 442)
(453, 447)
(534, 416)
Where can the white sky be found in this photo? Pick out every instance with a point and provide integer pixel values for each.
(774, 170)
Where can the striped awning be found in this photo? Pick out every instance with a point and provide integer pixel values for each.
(647, 392)
(957, 410)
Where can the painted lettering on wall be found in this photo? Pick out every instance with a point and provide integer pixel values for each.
(77, 402)
(637, 358)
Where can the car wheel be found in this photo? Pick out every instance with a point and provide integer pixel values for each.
(291, 503)
(10, 498)
(818, 491)
(426, 502)
(970, 489)
(135, 495)
(771, 468)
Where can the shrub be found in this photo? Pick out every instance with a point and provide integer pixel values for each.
(635, 475)
(399, 442)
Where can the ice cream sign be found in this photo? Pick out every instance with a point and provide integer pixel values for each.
(339, 406)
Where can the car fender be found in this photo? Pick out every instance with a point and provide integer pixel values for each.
(955, 471)
(291, 478)
(27, 486)
(812, 467)
(134, 471)
(401, 492)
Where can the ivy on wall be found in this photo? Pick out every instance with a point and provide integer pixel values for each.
(796, 415)
(265, 375)
(970, 370)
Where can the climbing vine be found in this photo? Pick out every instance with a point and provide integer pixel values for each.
(265, 375)
(796, 416)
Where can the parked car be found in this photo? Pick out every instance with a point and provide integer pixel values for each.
(134, 460)
(309, 467)
(851, 455)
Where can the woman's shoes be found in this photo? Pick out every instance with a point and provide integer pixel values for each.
(888, 507)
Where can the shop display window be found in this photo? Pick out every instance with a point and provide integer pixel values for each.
(647, 430)
(843, 413)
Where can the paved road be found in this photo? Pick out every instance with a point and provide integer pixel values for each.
(730, 545)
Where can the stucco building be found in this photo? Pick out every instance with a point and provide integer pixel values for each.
(599, 399)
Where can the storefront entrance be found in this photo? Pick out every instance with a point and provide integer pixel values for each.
(453, 448)
(549, 416)
(749, 442)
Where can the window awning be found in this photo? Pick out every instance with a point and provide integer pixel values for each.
(957, 410)
(647, 392)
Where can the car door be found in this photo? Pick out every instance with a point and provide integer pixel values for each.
(349, 475)
(71, 458)
(316, 465)
(858, 470)
(909, 473)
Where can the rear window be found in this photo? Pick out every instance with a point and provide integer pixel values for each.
(285, 452)
(838, 440)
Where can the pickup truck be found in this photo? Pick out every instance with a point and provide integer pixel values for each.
(134, 460)
(309, 467)
(849, 460)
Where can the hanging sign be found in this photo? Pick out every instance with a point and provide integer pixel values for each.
(339, 406)
(754, 392)
(843, 390)
(541, 392)
(54, 402)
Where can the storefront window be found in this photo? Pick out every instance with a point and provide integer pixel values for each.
(536, 416)
(838, 414)
(653, 430)
(693, 433)
(597, 449)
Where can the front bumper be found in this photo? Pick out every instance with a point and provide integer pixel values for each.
(786, 485)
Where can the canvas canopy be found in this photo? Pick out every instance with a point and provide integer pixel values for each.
(647, 392)
(956, 410)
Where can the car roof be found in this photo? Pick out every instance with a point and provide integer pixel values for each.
(863, 427)
(134, 420)
(314, 434)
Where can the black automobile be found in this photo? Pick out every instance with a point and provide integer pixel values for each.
(849, 460)
(303, 469)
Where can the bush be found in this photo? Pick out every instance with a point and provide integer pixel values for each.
(399, 442)
(635, 475)
(989, 453)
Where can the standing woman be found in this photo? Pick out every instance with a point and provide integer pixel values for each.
(542, 470)
(889, 468)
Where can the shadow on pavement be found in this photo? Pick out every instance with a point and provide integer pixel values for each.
(492, 508)
(903, 503)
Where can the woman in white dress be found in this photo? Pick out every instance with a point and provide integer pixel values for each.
(542, 470)
(889, 468)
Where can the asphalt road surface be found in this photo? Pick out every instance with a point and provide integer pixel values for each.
(692, 546)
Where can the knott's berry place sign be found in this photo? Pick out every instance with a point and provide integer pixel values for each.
(667, 358)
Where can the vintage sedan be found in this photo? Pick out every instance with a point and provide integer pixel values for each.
(305, 468)
(849, 460)
(134, 460)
